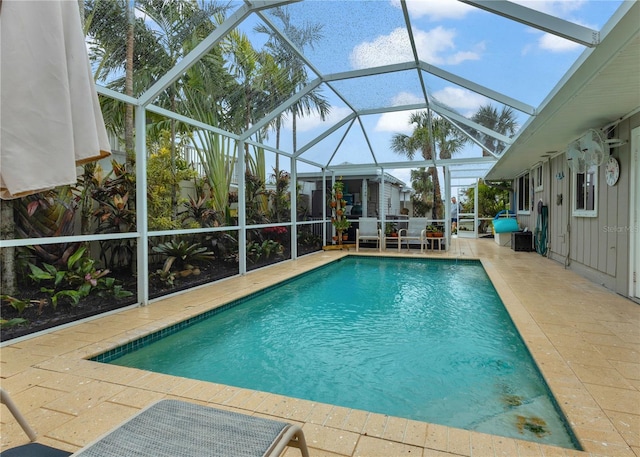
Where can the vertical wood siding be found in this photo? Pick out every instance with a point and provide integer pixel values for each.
(597, 246)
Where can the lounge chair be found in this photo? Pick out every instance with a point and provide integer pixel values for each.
(368, 231)
(416, 230)
(173, 428)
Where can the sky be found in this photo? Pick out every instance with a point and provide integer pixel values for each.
(505, 56)
(502, 55)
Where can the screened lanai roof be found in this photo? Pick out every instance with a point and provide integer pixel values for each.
(371, 64)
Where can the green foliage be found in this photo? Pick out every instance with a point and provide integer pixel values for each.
(390, 227)
(47, 214)
(491, 199)
(16, 303)
(74, 282)
(338, 205)
(307, 238)
(256, 193)
(267, 250)
(182, 253)
(116, 214)
(281, 201)
(342, 224)
(198, 213)
(12, 322)
(163, 182)
(422, 199)
(181, 259)
(217, 153)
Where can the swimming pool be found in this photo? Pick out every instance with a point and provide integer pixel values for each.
(422, 339)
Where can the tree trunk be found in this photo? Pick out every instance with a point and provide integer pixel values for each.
(8, 282)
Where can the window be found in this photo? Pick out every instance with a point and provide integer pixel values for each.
(585, 203)
(537, 177)
(523, 194)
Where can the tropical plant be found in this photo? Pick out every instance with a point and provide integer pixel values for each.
(75, 281)
(217, 153)
(164, 174)
(115, 213)
(157, 34)
(338, 205)
(44, 215)
(16, 303)
(255, 195)
(307, 239)
(280, 198)
(287, 59)
(267, 250)
(422, 197)
(183, 254)
(12, 322)
(390, 228)
(198, 213)
(491, 200)
(430, 134)
(342, 224)
(503, 122)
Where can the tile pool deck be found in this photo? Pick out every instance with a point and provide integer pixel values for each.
(584, 338)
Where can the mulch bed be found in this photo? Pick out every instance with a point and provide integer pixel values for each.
(47, 317)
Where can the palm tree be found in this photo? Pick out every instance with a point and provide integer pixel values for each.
(423, 189)
(428, 133)
(168, 32)
(502, 122)
(287, 59)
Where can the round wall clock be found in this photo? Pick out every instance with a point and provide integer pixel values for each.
(612, 171)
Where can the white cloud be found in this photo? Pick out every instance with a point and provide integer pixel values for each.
(462, 100)
(398, 121)
(406, 98)
(384, 50)
(436, 10)
(564, 9)
(436, 46)
(560, 8)
(555, 43)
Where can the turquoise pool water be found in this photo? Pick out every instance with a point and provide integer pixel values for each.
(422, 339)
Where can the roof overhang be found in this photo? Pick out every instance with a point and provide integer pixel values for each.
(602, 87)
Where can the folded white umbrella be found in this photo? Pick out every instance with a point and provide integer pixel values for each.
(50, 118)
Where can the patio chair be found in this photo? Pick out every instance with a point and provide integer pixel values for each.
(173, 428)
(416, 230)
(368, 231)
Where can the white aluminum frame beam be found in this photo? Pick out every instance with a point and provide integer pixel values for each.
(463, 120)
(478, 88)
(413, 164)
(541, 21)
(324, 134)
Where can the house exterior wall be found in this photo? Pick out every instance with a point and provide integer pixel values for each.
(595, 247)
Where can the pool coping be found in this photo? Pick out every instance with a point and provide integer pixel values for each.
(357, 426)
